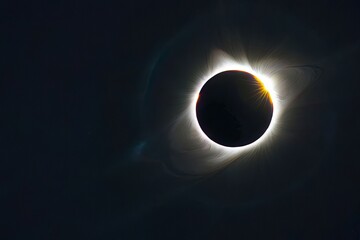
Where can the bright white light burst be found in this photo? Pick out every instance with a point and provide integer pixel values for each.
(193, 151)
(269, 85)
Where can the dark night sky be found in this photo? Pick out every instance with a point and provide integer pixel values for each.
(73, 76)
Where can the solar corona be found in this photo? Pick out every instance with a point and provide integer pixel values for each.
(233, 111)
(262, 94)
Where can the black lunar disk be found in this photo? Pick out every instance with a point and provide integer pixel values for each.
(234, 109)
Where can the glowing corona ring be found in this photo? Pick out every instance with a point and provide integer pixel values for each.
(267, 83)
(193, 152)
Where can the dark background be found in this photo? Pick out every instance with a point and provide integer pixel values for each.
(72, 77)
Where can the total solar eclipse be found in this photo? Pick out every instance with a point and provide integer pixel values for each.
(234, 108)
